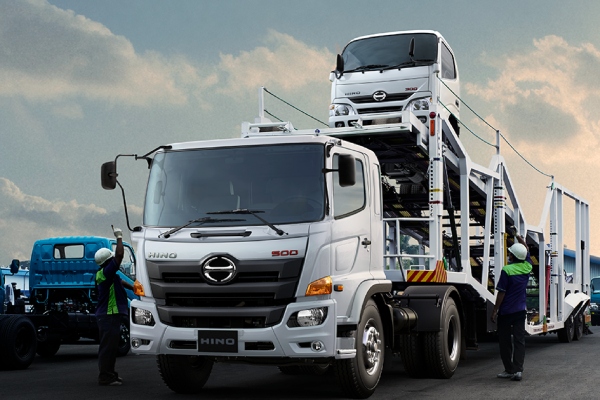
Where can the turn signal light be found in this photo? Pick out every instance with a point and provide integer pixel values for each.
(138, 289)
(319, 287)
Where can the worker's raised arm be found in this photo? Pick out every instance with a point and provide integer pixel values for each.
(119, 251)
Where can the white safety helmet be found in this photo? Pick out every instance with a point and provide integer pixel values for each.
(519, 251)
(102, 255)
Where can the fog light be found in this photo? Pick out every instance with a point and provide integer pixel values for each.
(317, 345)
(135, 343)
(140, 316)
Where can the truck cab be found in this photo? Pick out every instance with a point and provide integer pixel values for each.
(62, 287)
(595, 300)
(378, 76)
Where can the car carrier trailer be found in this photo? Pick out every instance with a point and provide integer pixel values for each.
(284, 247)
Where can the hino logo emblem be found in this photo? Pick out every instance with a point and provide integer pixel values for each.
(379, 95)
(219, 270)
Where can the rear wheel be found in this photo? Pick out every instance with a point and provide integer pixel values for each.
(442, 349)
(17, 342)
(184, 374)
(411, 352)
(359, 376)
(565, 335)
(579, 326)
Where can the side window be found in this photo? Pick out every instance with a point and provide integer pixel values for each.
(351, 199)
(448, 70)
(62, 251)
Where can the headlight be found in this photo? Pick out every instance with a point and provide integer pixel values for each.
(142, 317)
(419, 104)
(594, 306)
(310, 317)
(337, 110)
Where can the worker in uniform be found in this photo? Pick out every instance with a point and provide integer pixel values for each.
(112, 309)
(510, 309)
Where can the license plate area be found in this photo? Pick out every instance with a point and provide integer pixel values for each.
(218, 341)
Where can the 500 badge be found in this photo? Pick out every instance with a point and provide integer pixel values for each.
(284, 253)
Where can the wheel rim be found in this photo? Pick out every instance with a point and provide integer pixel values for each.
(371, 347)
(453, 338)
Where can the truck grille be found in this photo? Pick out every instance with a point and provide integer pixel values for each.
(389, 97)
(255, 298)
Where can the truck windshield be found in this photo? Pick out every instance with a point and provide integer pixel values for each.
(390, 51)
(284, 183)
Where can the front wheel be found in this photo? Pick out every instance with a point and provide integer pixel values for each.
(359, 376)
(184, 374)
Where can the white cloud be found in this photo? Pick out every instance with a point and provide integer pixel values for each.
(547, 97)
(284, 62)
(47, 53)
(25, 218)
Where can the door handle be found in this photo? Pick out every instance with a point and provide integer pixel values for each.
(366, 242)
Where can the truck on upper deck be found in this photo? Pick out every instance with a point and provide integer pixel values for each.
(62, 298)
(377, 76)
(287, 247)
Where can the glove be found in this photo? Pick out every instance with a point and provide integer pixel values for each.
(118, 233)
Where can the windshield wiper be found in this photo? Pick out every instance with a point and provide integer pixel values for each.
(253, 212)
(200, 221)
(367, 67)
(411, 63)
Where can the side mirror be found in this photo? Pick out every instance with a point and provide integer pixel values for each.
(346, 170)
(339, 66)
(108, 175)
(14, 266)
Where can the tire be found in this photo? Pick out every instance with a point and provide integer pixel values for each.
(48, 348)
(579, 326)
(184, 374)
(412, 355)
(18, 342)
(442, 349)
(124, 344)
(359, 376)
(565, 335)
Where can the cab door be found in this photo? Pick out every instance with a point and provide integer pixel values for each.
(351, 228)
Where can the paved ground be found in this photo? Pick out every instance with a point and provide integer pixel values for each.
(553, 370)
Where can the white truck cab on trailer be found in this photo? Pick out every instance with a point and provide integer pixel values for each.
(378, 76)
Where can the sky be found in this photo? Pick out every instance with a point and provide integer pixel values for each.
(83, 81)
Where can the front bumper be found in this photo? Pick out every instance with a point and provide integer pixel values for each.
(277, 341)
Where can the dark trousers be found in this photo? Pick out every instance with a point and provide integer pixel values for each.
(109, 331)
(511, 337)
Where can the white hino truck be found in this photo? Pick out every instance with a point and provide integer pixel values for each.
(288, 248)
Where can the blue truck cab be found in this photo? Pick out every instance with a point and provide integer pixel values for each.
(62, 291)
(62, 286)
(595, 300)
